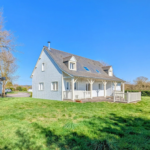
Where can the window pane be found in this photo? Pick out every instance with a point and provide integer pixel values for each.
(70, 66)
(67, 85)
(75, 86)
(86, 69)
(73, 66)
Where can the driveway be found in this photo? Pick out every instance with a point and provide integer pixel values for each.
(20, 94)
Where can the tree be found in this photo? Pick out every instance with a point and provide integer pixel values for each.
(19, 88)
(141, 80)
(7, 67)
(6, 37)
(7, 60)
(103, 63)
(9, 84)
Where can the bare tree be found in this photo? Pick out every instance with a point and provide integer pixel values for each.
(103, 63)
(6, 37)
(8, 64)
(8, 67)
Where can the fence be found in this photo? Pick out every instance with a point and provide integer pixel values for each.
(127, 97)
(67, 95)
(82, 94)
(78, 94)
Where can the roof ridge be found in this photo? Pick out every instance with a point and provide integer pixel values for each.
(74, 55)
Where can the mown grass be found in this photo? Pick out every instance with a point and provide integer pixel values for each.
(36, 124)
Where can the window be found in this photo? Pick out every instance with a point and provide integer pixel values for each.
(76, 86)
(87, 87)
(54, 86)
(41, 86)
(97, 71)
(72, 66)
(42, 66)
(99, 86)
(86, 69)
(68, 86)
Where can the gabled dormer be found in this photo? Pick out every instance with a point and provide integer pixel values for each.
(108, 70)
(70, 62)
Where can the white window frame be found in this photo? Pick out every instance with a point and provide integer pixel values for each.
(41, 86)
(43, 66)
(72, 65)
(55, 86)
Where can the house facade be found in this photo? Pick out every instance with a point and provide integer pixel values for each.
(59, 76)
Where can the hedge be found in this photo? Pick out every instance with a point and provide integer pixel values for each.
(143, 93)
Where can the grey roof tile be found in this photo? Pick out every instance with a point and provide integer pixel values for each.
(92, 65)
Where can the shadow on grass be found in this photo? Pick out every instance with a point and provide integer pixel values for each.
(110, 133)
(24, 142)
(114, 132)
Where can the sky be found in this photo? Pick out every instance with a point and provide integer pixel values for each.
(116, 32)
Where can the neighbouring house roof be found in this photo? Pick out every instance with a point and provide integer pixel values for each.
(59, 57)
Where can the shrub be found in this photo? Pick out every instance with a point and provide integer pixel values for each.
(24, 89)
(31, 94)
(143, 93)
(12, 89)
(19, 88)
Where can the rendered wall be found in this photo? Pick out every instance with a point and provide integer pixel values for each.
(52, 73)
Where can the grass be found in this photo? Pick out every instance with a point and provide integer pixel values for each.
(35, 124)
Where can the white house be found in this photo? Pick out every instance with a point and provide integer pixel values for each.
(59, 76)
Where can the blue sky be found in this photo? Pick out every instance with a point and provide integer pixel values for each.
(117, 32)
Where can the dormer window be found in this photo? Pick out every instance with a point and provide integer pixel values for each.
(72, 66)
(108, 70)
(70, 62)
(43, 67)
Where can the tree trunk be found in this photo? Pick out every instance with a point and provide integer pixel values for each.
(4, 84)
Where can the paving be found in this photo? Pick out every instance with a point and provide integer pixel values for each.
(20, 94)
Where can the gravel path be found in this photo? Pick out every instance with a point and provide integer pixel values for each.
(19, 95)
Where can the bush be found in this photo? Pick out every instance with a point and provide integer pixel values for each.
(24, 89)
(31, 94)
(19, 88)
(143, 93)
(12, 89)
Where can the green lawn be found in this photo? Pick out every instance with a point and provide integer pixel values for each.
(34, 124)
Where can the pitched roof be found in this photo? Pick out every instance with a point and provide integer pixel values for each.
(67, 58)
(58, 56)
(106, 67)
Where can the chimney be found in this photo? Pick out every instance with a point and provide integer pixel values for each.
(49, 45)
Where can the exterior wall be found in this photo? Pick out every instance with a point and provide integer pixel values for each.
(52, 73)
(0, 87)
(95, 92)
